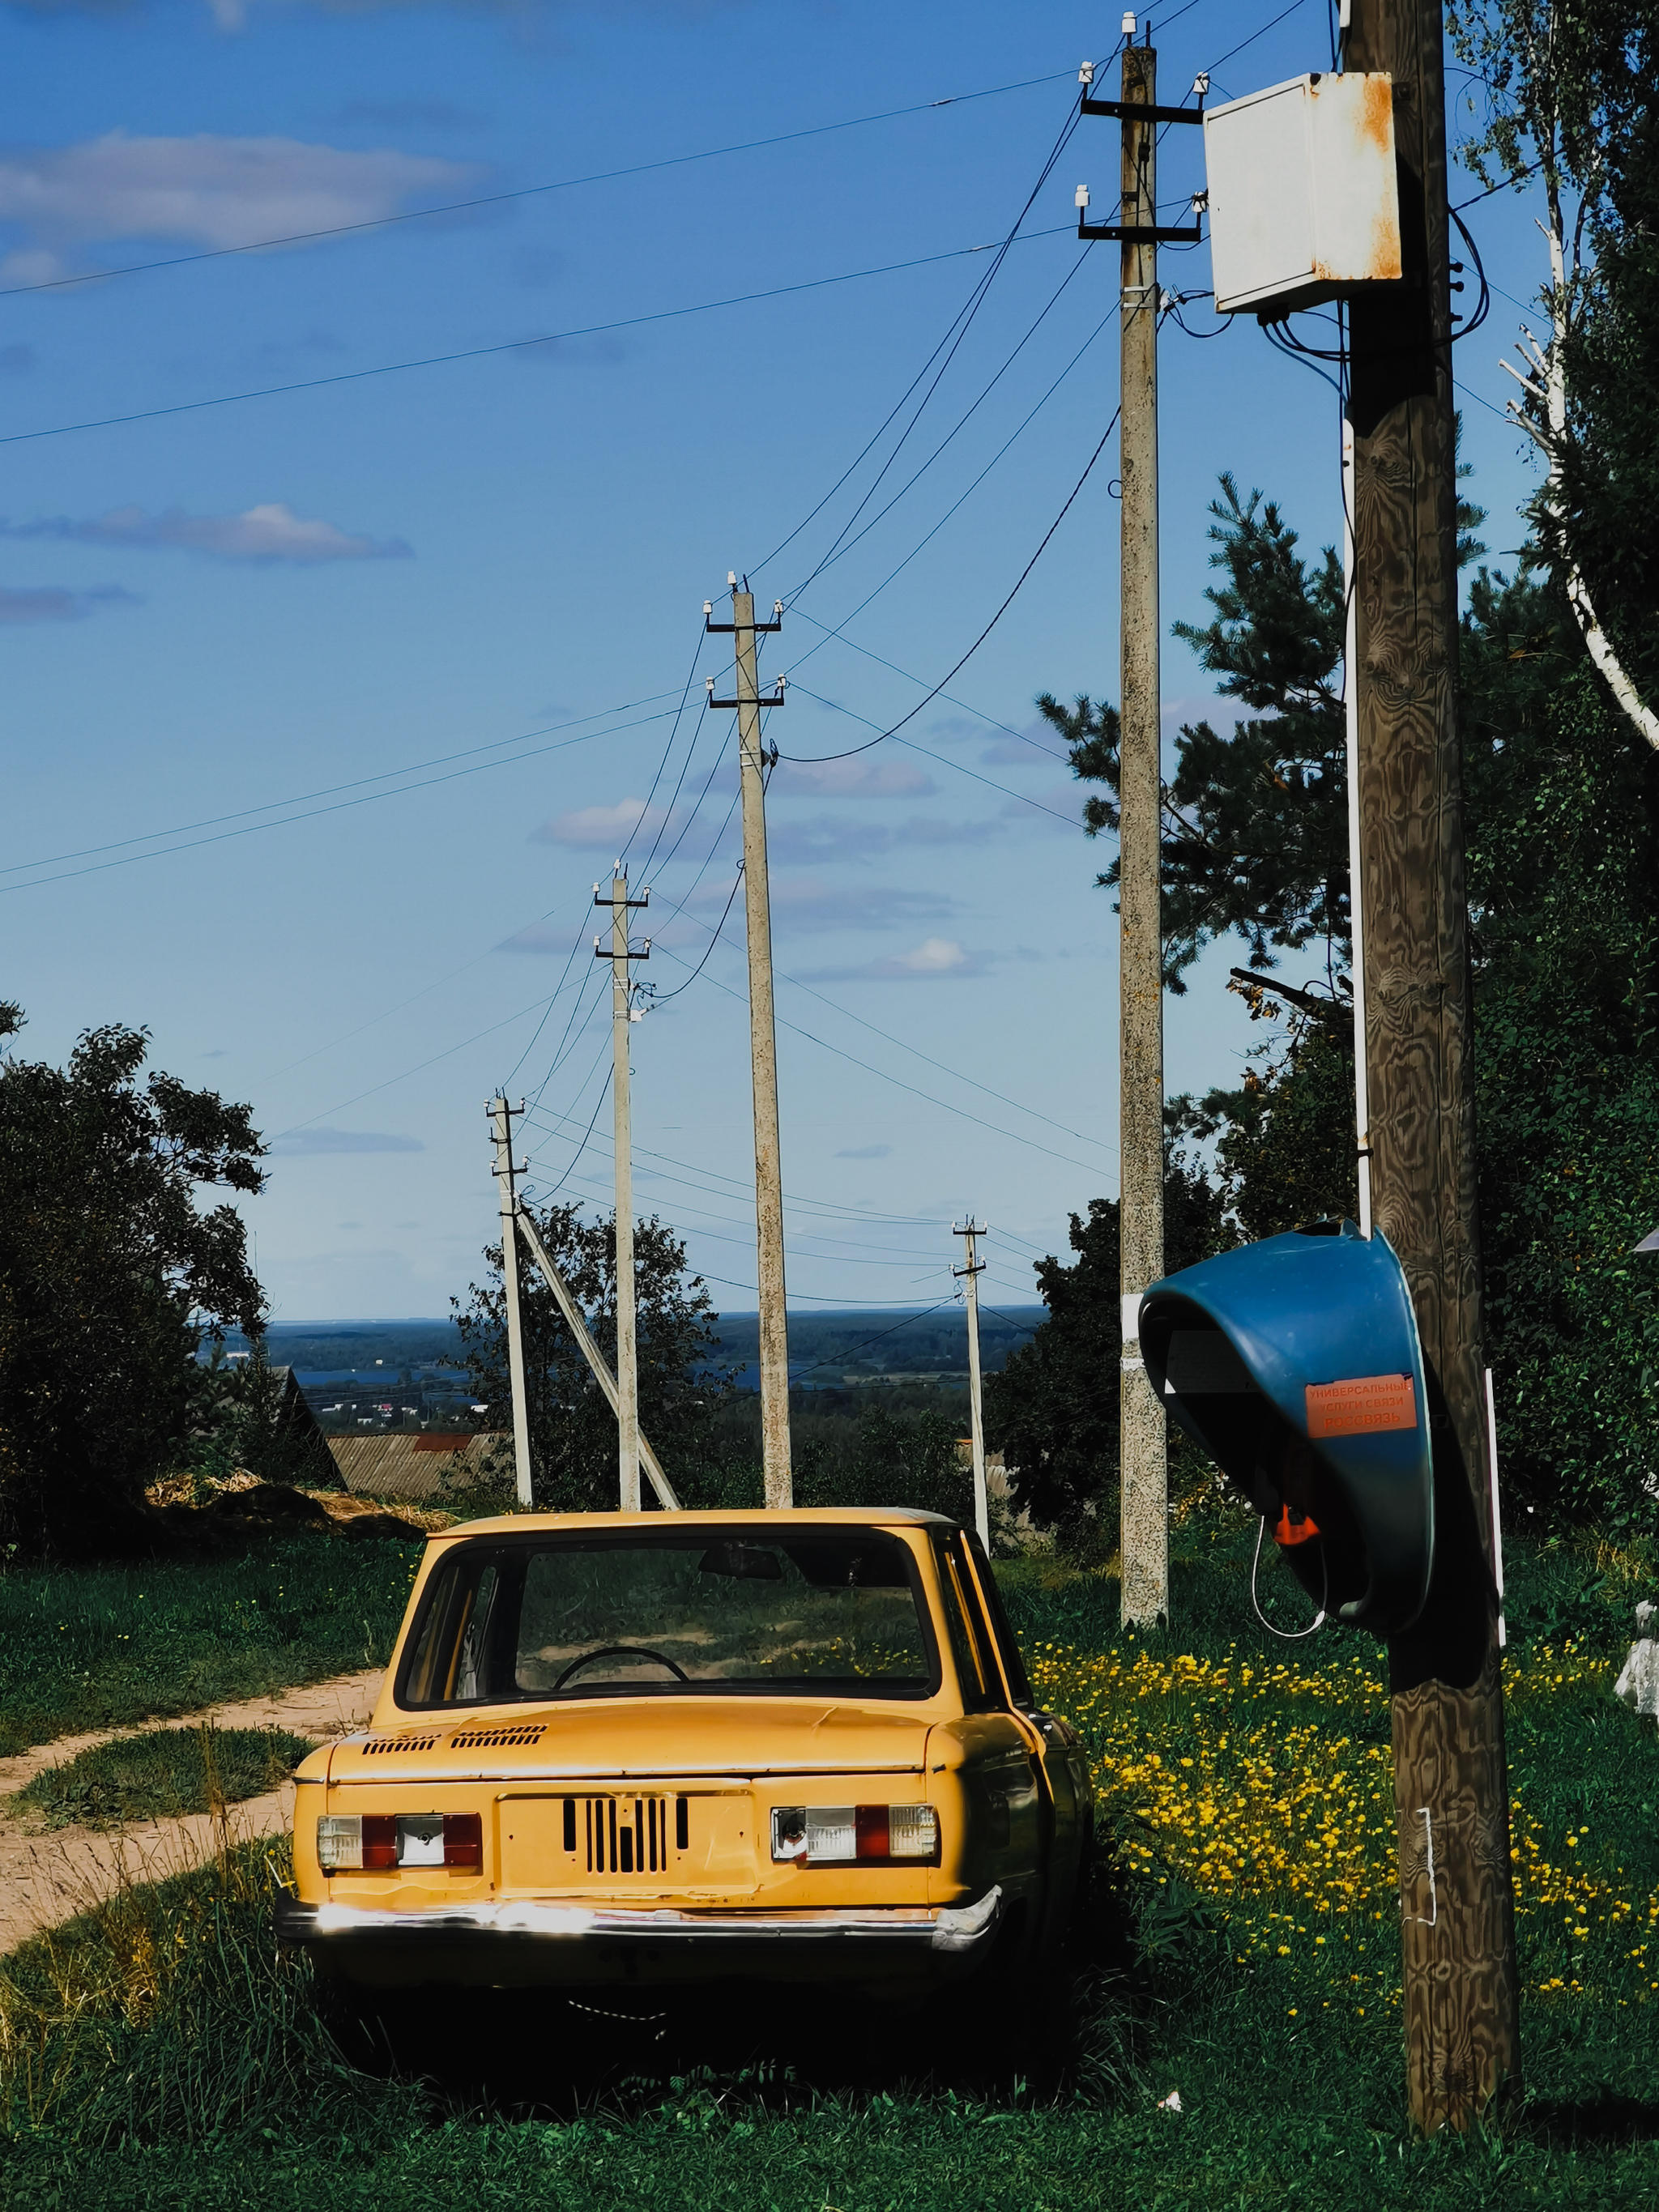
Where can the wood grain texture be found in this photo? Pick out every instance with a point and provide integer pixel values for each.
(1462, 2044)
(1144, 1455)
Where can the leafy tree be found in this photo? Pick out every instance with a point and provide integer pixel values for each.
(895, 1459)
(1562, 804)
(573, 1431)
(111, 1275)
(1053, 1410)
(1255, 837)
(1570, 97)
(1255, 826)
(1284, 1140)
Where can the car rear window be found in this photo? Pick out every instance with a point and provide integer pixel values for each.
(710, 1610)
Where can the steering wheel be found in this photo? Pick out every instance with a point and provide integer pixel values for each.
(619, 1651)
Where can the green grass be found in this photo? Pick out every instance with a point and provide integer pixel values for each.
(163, 1773)
(88, 1648)
(166, 2055)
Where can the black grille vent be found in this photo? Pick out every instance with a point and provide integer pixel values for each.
(495, 1739)
(381, 1743)
(624, 1835)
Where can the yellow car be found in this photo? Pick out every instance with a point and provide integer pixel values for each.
(647, 1748)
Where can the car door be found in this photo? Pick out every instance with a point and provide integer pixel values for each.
(1056, 1748)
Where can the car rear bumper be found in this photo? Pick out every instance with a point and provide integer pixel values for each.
(527, 1944)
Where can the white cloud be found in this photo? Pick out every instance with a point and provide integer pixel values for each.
(210, 191)
(310, 1144)
(604, 828)
(261, 534)
(933, 958)
(54, 603)
(859, 777)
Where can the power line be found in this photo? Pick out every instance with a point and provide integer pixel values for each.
(340, 806)
(960, 330)
(910, 746)
(679, 713)
(909, 1321)
(512, 345)
(953, 672)
(944, 1104)
(1013, 436)
(886, 1036)
(522, 192)
(844, 547)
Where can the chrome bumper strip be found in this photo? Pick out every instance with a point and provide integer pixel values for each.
(951, 1931)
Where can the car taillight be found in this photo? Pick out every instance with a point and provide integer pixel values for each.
(847, 1835)
(381, 1841)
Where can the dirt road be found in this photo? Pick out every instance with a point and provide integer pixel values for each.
(48, 1877)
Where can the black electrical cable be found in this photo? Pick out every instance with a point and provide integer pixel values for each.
(807, 759)
(730, 898)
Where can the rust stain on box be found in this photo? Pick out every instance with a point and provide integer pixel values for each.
(1377, 112)
(1362, 1406)
(1385, 261)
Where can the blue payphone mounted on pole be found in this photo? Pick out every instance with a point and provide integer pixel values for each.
(1296, 1363)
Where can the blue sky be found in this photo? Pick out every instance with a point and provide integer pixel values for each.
(324, 708)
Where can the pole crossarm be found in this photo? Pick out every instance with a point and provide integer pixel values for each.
(1140, 233)
(1139, 111)
(590, 1351)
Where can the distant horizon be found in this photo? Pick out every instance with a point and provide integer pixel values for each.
(726, 1312)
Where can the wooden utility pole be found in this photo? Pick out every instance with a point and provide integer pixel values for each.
(971, 1270)
(1144, 1452)
(501, 1115)
(762, 1041)
(1462, 2044)
(628, 1365)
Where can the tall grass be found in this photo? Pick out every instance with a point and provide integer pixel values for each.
(161, 1774)
(163, 2054)
(87, 1648)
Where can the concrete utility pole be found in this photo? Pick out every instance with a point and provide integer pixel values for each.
(628, 1366)
(501, 1115)
(1144, 1452)
(973, 1268)
(1462, 2042)
(763, 1040)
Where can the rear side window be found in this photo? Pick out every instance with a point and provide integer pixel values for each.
(975, 1670)
(1013, 1665)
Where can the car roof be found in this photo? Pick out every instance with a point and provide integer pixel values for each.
(847, 1516)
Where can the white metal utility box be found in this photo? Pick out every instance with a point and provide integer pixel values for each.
(1304, 203)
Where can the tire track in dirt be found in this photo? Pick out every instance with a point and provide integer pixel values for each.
(48, 1876)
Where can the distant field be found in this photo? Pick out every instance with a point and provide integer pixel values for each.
(875, 1340)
